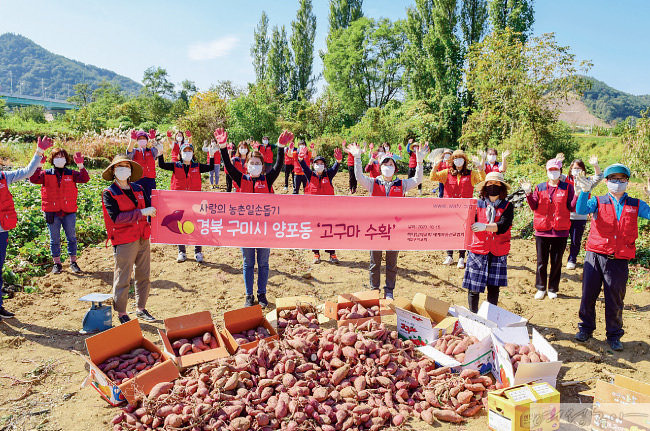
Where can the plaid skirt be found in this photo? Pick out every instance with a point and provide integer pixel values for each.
(485, 269)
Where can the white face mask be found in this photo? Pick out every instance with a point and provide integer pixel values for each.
(142, 143)
(179, 139)
(265, 141)
(187, 156)
(254, 170)
(553, 175)
(319, 168)
(459, 162)
(576, 172)
(491, 158)
(302, 146)
(616, 187)
(387, 171)
(243, 151)
(122, 173)
(446, 157)
(59, 162)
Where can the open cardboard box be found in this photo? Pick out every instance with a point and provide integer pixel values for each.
(190, 326)
(116, 341)
(622, 404)
(478, 356)
(243, 319)
(526, 372)
(367, 298)
(291, 302)
(423, 319)
(531, 406)
(491, 316)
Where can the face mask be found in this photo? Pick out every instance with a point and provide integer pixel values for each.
(122, 173)
(301, 146)
(616, 187)
(243, 151)
(254, 170)
(265, 141)
(387, 171)
(491, 158)
(187, 156)
(319, 168)
(576, 172)
(493, 190)
(142, 143)
(59, 162)
(446, 157)
(459, 162)
(179, 139)
(553, 175)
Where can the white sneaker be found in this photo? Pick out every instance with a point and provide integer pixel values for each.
(461, 263)
(552, 295)
(540, 294)
(448, 260)
(569, 265)
(199, 257)
(182, 257)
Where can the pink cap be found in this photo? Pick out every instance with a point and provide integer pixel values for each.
(554, 163)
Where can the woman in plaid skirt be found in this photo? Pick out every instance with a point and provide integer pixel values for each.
(487, 260)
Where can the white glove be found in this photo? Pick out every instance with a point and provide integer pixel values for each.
(148, 212)
(159, 147)
(421, 153)
(212, 149)
(527, 187)
(355, 150)
(582, 183)
(479, 227)
(593, 160)
(477, 162)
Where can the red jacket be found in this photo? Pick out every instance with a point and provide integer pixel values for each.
(413, 161)
(614, 237)
(147, 162)
(552, 215)
(459, 189)
(124, 233)
(490, 242)
(57, 197)
(396, 190)
(191, 181)
(492, 168)
(261, 185)
(319, 185)
(267, 152)
(297, 169)
(8, 216)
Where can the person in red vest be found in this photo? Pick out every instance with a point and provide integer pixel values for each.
(300, 178)
(145, 155)
(266, 150)
(289, 161)
(239, 158)
(187, 176)
(491, 164)
(320, 181)
(552, 203)
(610, 246)
(442, 163)
(126, 207)
(372, 168)
(411, 149)
(458, 181)
(8, 215)
(352, 179)
(386, 185)
(487, 257)
(214, 173)
(255, 181)
(59, 203)
(179, 140)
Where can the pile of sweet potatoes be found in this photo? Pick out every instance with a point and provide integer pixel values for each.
(455, 344)
(523, 354)
(128, 365)
(357, 311)
(303, 314)
(350, 378)
(251, 335)
(186, 346)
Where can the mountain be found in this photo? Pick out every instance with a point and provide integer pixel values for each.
(612, 105)
(573, 111)
(29, 63)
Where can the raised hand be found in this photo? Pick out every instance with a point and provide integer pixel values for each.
(169, 134)
(152, 134)
(159, 147)
(483, 155)
(43, 160)
(44, 143)
(221, 135)
(302, 153)
(284, 138)
(477, 162)
(559, 157)
(371, 146)
(355, 150)
(338, 155)
(134, 134)
(399, 147)
(312, 145)
(582, 183)
(78, 158)
(188, 133)
(422, 152)
(526, 186)
(593, 160)
(647, 188)
(505, 154)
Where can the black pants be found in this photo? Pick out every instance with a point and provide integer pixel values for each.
(228, 183)
(299, 179)
(611, 275)
(549, 248)
(461, 253)
(326, 251)
(575, 233)
(391, 269)
(441, 190)
(353, 180)
(412, 174)
(183, 249)
(492, 297)
(288, 171)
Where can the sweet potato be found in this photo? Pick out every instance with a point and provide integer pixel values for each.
(448, 416)
(160, 389)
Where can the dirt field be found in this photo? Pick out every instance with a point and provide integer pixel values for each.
(40, 374)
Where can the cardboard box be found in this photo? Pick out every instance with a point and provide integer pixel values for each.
(478, 356)
(367, 298)
(533, 406)
(116, 341)
(243, 319)
(423, 319)
(190, 326)
(526, 372)
(622, 404)
(492, 316)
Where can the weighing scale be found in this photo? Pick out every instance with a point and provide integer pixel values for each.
(98, 318)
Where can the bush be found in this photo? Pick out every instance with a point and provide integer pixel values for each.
(147, 125)
(35, 113)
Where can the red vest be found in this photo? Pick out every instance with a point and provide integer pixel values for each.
(147, 162)
(176, 149)
(492, 168)
(191, 181)
(58, 197)
(350, 160)
(490, 242)
(319, 186)
(216, 157)
(396, 190)
(8, 216)
(443, 165)
(239, 164)
(611, 236)
(124, 233)
(261, 185)
(267, 152)
(373, 169)
(289, 156)
(413, 161)
(459, 189)
(297, 169)
(552, 215)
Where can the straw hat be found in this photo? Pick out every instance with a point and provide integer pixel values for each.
(136, 169)
(493, 176)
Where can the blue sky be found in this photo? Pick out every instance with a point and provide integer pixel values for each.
(208, 41)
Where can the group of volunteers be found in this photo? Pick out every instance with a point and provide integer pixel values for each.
(561, 206)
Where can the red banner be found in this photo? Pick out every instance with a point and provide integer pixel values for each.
(310, 222)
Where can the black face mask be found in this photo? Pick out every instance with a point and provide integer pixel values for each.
(493, 190)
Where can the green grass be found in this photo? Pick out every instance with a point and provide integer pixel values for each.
(609, 149)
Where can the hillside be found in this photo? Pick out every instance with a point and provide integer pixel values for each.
(612, 105)
(29, 63)
(574, 112)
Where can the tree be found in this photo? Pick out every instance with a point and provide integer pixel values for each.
(518, 15)
(156, 82)
(254, 114)
(260, 47)
(342, 13)
(82, 95)
(364, 63)
(303, 33)
(473, 21)
(637, 144)
(207, 112)
(280, 61)
(188, 89)
(227, 90)
(3, 108)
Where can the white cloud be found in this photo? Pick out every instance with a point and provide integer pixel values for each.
(213, 49)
